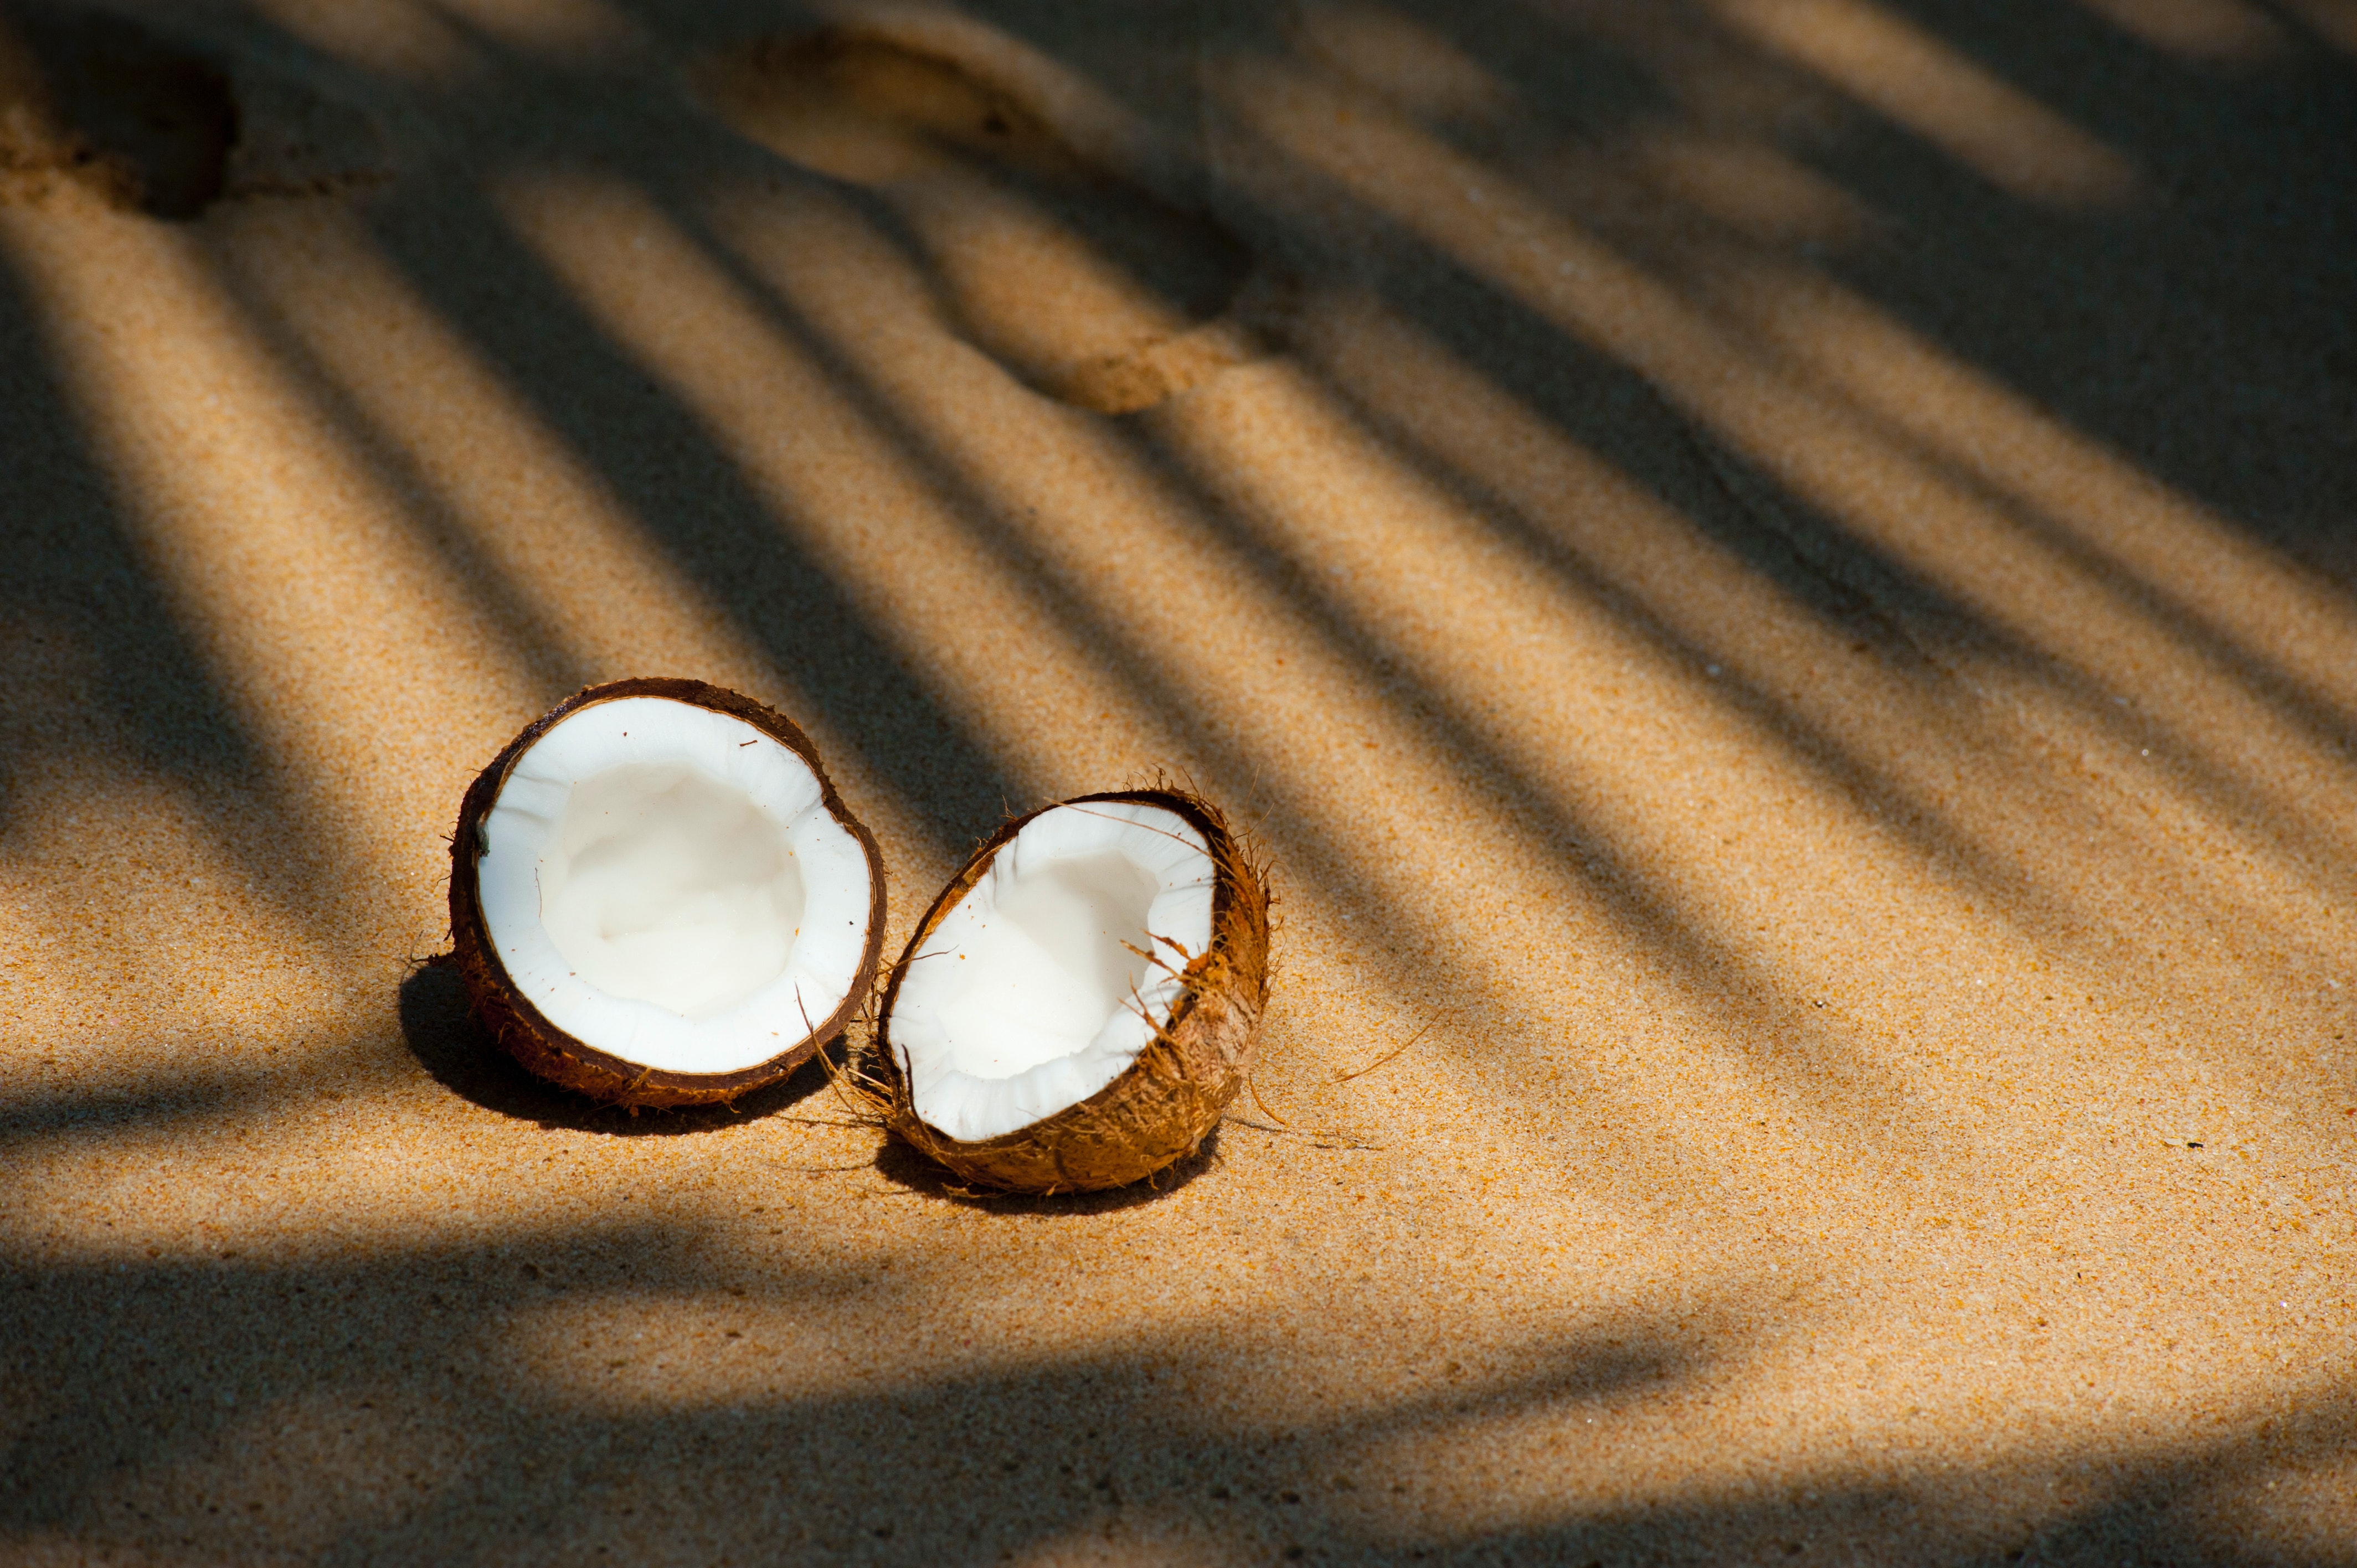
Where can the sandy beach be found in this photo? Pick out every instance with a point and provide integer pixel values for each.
(1776, 578)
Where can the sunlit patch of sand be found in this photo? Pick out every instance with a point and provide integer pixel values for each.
(317, 606)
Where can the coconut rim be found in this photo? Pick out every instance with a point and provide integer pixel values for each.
(469, 929)
(1230, 861)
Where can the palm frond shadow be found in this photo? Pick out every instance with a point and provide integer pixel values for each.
(455, 1346)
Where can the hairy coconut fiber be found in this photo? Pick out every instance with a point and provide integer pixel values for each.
(559, 1057)
(1160, 1109)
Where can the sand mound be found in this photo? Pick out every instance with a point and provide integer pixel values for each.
(1085, 283)
(153, 125)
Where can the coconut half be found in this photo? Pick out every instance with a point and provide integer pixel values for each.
(658, 899)
(1082, 1001)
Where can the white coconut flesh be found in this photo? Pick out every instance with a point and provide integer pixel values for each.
(665, 884)
(1034, 992)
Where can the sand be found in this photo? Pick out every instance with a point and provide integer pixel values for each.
(1776, 577)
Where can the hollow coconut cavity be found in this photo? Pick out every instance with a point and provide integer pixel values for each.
(1083, 1001)
(657, 899)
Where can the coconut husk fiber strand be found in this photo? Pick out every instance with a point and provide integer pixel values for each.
(1773, 580)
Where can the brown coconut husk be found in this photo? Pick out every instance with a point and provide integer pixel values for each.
(1162, 1107)
(551, 1052)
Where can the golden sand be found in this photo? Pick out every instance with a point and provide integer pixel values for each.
(1776, 578)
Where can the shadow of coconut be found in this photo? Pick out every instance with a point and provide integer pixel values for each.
(460, 1054)
(1084, 282)
(903, 1167)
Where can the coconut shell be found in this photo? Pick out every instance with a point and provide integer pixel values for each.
(559, 1057)
(1161, 1109)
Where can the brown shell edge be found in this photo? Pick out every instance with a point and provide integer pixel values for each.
(1162, 1107)
(539, 1045)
